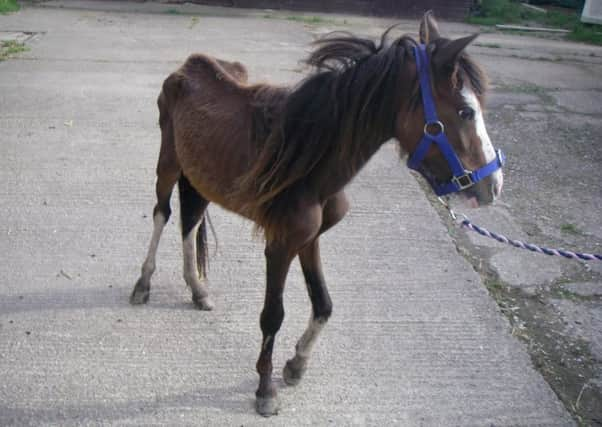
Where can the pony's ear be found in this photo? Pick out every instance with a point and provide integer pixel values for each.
(446, 55)
(429, 30)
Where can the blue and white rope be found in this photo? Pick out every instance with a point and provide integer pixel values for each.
(522, 245)
(533, 248)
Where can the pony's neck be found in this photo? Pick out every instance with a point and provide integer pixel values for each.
(321, 133)
(364, 128)
(338, 168)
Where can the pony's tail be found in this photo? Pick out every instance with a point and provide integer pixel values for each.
(202, 251)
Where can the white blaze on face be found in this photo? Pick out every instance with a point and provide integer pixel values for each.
(472, 101)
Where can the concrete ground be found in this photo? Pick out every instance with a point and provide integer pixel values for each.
(416, 338)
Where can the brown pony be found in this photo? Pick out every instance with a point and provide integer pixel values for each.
(282, 157)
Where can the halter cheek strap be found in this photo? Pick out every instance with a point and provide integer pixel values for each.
(434, 132)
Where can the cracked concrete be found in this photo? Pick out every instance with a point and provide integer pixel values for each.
(546, 115)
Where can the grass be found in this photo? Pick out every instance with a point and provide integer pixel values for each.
(305, 19)
(494, 12)
(10, 48)
(570, 228)
(565, 294)
(193, 21)
(587, 33)
(531, 89)
(308, 19)
(7, 6)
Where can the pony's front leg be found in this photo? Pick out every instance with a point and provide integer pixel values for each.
(302, 228)
(278, 261)
(321, 310)
(334, 210)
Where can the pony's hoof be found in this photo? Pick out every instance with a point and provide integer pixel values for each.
(204, 303)
(140, 293)
(292, 375)
(139, 297)
(267, 406)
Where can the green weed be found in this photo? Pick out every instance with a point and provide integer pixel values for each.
(587, 33)
(10, 48)
(494, 12)
(308, 19)
(570, 228)
(7, 6)
(193, 21)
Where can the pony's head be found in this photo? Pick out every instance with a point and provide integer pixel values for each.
(457, 87)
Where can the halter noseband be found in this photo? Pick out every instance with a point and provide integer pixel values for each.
(462, 178)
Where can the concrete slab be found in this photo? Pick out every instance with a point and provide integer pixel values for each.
(515, 267)
(415, 338)
(582, 319)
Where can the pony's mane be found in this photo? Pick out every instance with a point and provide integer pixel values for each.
(351, 101)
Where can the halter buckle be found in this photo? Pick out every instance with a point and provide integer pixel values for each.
(463, 181)
(434, 123)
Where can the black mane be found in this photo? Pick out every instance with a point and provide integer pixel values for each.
(350, 102)
(354, 94)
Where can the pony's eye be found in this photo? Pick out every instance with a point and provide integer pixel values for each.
(466, 113)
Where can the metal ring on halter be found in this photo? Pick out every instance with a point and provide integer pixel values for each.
(434, 123)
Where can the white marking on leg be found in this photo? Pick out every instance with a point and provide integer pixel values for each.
(309, 337)
(148, 267)
(497, 178)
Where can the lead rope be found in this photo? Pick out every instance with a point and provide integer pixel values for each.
(465, 222)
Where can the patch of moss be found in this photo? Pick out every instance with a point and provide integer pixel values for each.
(570, 228)
(10, 48)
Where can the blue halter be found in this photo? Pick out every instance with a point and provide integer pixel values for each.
(462, 178)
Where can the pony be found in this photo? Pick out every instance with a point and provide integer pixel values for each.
(282, 156)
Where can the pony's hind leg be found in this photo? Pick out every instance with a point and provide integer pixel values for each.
(161, 214)
(192, 210)
(168, 172)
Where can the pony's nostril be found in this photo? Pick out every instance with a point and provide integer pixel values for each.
(496, 189)
(497, 184)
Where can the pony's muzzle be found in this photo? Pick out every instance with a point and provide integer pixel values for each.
(487, 190)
